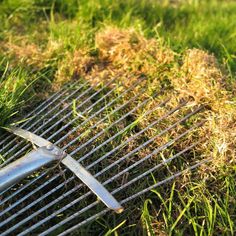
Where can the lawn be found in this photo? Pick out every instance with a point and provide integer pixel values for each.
(44, 44)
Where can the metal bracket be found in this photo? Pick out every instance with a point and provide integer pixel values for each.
(27, 164)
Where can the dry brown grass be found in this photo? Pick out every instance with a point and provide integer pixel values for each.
(23, 51)
(194, 74)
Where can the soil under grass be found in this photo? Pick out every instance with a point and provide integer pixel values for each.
(186, 48)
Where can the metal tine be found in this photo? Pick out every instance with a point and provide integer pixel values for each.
(37, 121)
(54, 177)
(104, 130)
(90, 107)
(77, 226)
(35, 110)
(39, 128)
(145, 114)
(16, 203)
(61, 185)
(135, 135)
(136, 163)
(166, 180)
(58, 104)
(120, 132)
(110, 180)
(78, 186)
(26, 208)
(5, 190)
(80, 105)
(145, 144)
(166, 161)
(129, 139)
(82, 113)
(101, 213)
(95, 216)
(143, 159)
(53, 97)
(14, 155)
(101, 110)
(163, 147)
(3, 137)
(59, 95)
(106, 182)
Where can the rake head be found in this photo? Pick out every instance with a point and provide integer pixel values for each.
(131, 139)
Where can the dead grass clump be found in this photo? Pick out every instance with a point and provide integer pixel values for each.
(22, 51)
(128, 50)
(201, 78)
(127, 54)
(119, 52)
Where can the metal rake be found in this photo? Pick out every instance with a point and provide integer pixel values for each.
(128, 138)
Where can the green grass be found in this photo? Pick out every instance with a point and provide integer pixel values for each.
(199, 209)
(14, 83)
(209, 25)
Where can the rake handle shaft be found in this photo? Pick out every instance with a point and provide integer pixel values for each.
(26, 165)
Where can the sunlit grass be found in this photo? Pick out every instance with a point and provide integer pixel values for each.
(56, 41)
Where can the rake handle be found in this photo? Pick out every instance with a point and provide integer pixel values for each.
(26, 165)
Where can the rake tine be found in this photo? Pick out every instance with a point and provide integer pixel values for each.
(166, 161)
(59, 95)
(54, 177)
(54, 98)
(84, 102)
(23, 187)
(103, 212)
(104, 130)
(99, 111)
(37, 121)
(120, 132)
(152, 139)
(28, 115)
(58, 104)
(166, 180)
(94, 217)
(3, 137)
(115, 191)
(134, 136)
(110, 180)
(161, 148)
(62, 184)
(25, 197)
(79, 212)
(71, 154)
(27, 207)
(95, 203)
(91, 112)
(87, 109)
(83, 112)
(39, 128)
